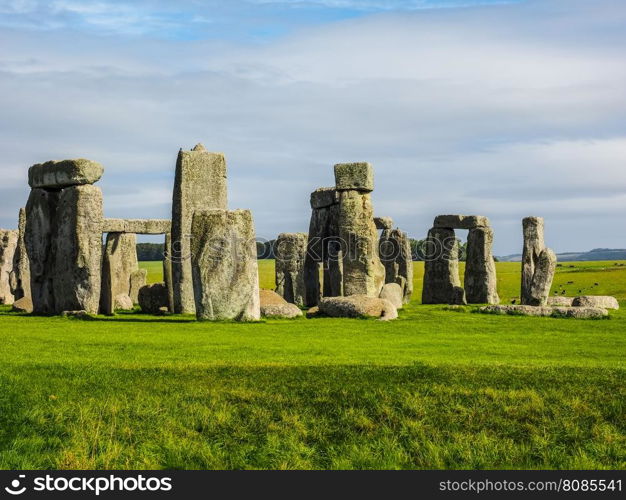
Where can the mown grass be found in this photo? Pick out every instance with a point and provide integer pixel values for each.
(435, 389)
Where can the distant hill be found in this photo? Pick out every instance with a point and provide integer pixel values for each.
(595, 254)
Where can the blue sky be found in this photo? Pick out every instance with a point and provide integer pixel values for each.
(504, 109)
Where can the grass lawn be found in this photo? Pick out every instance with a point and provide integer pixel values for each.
(437, 388)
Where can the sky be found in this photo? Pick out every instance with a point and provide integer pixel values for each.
(498, 108)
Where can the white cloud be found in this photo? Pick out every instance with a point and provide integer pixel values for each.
(498, 111)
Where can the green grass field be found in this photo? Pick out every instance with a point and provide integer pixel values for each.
(437, 388)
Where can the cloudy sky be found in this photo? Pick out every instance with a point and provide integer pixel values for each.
(498, 108)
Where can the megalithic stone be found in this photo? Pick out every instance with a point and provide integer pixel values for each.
(78, 240)
(138, 280)
(119, 262)
(20, 276)
(363, 273)
(545, 268)
(533, 246)
(290, 253)
(39, 236)
(224, 264)
(200, 184)
(8, 245)
(333, 265)
(167, 272)
(442, 284)
(481, 284)
(395, 254)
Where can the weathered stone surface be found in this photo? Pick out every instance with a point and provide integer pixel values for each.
(119, 262)
(394, 249)
(560, 301)
(602, 301)
(441, 269)
(533, 246)
(79, 314)
(23, 305)
(20, 275)
(357, 306)
(152, 298)
(290, 252)
(354, 176)
(314, 312)
(481, 284)
(78, 240)
(137, 226)
(324, 197)
(323, 249)
(383, 222)
(40, 237)
(224, 264)
(555, 312)
(8, 245)
(287, 311)
(542, 279)
(270, 298)
(138, 280)
(64, 173)
(122, 302)
(461, 221)
(167, 272)
(363, 273)
(394, 294)
(200, 184)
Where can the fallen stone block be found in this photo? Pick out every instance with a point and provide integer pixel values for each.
(64, 173)
(152, 298)
(287, 311)
(271, 298)
(555, 312)
(560, 301)
(358, 306)
(23, 305)
(602, 301)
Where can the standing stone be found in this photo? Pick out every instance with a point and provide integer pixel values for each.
(542, 279)
(383, 222)
(533, 246)
(290, 252)
(394, 249)
(200, 184)
(224, 264)
(78, 240)
(20, 275)
(441, 269)
(40, 241)
(167, 271)
(323, 248)
(118, 263)
(363, 273)
(481, 284)
(8, 245)
(138, 280)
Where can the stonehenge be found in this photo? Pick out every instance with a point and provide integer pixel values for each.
(394, 249)
(224, 265)
(119, 263)
(199, 184)
(538, 264)
(442, 284)
(290, 253)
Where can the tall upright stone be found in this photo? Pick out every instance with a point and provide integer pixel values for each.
(200, 184)
(442, 284)
(167, 272)
(78, 239)
(224, 264)
(394, 249)
(290, 252)
(323, 248)
(363, 273)
(8, 246)
(538, 264)
(138, 280)
(20, 275)
(119, 262)
(40, 239)
(480, 283)
(533, 246)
